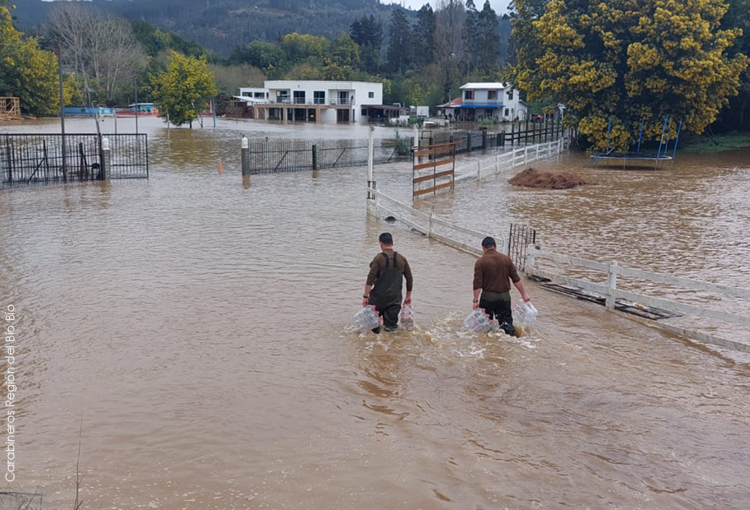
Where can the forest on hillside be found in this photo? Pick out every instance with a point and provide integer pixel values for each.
(222, 25)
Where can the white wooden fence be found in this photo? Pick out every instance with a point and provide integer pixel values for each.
(521, 156)
(426, 224)
(612, 293)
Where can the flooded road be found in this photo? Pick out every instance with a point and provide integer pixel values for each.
(198, 329)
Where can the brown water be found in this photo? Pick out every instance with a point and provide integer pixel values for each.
(199, 327)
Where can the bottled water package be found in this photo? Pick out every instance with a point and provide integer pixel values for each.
(407, 317)
(478, 321)
(367, 319)
(525, 313)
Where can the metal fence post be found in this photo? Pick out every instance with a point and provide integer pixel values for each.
(245, 156)
(106, 159)
(484, 140)
(315, 157)
(611, 285)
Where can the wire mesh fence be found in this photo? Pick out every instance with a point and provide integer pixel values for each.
(29, 159)
(300, 155)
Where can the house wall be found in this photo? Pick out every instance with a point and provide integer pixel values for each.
(481, 96)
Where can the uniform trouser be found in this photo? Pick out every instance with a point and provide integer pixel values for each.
(497, 305)
(390, 316)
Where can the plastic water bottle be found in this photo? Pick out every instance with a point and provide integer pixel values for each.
(526, 313)
(407, 317)
(477, 321)
(367, 319)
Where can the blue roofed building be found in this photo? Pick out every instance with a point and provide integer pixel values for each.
(490, 100)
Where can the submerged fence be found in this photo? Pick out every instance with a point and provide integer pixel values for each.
(29, 159)
(613, 295)
(300, 155)
(470, 141)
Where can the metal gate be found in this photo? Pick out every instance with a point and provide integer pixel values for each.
(29, 159)
(521, 236)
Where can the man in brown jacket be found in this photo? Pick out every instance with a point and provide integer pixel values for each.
(384, 281)
(493, 273)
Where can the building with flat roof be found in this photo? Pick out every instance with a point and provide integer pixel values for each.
(320, 101)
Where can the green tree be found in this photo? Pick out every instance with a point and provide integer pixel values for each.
(737, 115)
(424, 36)
(488, 39)
(26, 71)
(628, 61)
(399, 44)
(472, 39)
(298, 48)
(183, 90)
(367, 32)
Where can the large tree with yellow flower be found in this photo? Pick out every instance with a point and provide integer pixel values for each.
(628, 62)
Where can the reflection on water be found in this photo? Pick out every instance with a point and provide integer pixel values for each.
(200, 325)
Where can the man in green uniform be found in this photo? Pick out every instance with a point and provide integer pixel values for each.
(493, 273)
(384, 282)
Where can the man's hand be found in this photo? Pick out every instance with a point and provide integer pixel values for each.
(407, 301)
(475, 305)
(525, 297)
(365, 301)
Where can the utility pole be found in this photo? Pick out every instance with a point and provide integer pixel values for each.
(62, 106)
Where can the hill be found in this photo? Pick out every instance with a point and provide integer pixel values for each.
(220, 25)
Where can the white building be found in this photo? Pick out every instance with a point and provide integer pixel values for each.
(321, 101)
(490, 100)
(253, 94)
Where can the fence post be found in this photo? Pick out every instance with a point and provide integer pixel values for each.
(370, 163)
(512, 133)
(468, 141)
(106, 159)
(611, 285)
(315, 157)
(484, 140)
(416, 139)
(245, 153)
(525, 155)
(479, 170)
(429, 227)
(530, 253)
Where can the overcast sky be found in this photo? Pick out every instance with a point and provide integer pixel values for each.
(500, 6)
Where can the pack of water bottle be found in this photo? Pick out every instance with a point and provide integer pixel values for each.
(478, 321)
(407, 317)
(525, 313)
(367, 319)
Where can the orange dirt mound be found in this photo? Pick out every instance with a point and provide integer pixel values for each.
(533, 178)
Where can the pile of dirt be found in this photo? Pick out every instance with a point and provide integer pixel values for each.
(533, 178)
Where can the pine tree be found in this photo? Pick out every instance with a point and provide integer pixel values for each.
(399, 45)
(424, 36)
(488, 37)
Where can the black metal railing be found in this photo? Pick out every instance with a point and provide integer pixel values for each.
(301, 155)
(47, 158)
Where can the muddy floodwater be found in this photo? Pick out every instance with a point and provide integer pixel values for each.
(197, 328)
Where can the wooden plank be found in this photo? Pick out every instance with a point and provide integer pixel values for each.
(432, 176)
(431, 150)
(433, 189)
(433, 163)
(683, 308)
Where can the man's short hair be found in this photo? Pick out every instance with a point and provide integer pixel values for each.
(386, 238)
(489, 242)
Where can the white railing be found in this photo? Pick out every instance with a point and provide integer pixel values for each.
(426, 223)
(509, 160)
(611, 293)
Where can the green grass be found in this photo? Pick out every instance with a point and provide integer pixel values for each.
(704, 144)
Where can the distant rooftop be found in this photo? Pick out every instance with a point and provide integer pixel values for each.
(489, 85)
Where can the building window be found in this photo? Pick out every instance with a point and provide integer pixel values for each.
(319, 97)
(510, 95)
(259, 95)
(247, 94)
(507, 112)
(469, 94)
(371, 95)
(299, 97)
(364, 112)
(492, 94)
